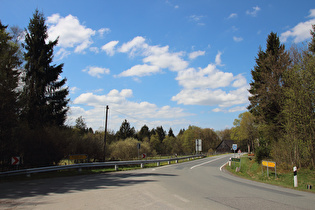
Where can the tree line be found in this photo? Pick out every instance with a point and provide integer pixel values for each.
(122, 145)
(280, 121)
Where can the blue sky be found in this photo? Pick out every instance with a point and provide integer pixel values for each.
(167, 63)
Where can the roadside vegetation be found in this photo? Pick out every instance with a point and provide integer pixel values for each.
(252, 170)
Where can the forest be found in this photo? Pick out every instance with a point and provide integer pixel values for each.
(278, 125)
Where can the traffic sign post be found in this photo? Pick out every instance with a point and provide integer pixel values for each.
(15, 161)
(271, 165)
(198, 145)
(234, 147)
(138, 147)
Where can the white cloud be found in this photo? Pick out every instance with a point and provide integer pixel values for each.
(218, 61)
(70, 31)
(172, 61)
(253, 12)
(95, 71)
(209, 97)
(197, 19)
(103, 31)
(109, 48)
(138, 43)
(233, 15)
(301, 31)
(140, 71)
(237, 39)
(120, 104)
(73, 90)
(62, 53)
(94, 49)
(210, 86)
(196, 54)
(209, 77)
(312, 13)
(157, 56)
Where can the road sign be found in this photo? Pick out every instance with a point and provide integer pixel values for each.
(198, 145)
(143, 155)
(234, 146)
(15, 160)
(78, 157)
(269, 164)
(236, 159)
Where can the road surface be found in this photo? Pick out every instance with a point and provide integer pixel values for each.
(197, 184)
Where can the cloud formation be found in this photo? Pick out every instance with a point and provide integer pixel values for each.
(253, 12)
(301, 31)
(109, 48)
(120, 103)
(70, 32)
(95, 71)
(140, 71)
(210, 86)
(195, 54)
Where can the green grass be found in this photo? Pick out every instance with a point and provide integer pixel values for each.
(254, 171)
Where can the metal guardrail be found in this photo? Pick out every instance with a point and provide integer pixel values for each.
(79, 166)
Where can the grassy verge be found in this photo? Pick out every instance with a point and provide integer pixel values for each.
(250, 169)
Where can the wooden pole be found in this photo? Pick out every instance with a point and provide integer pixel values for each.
(105, 133)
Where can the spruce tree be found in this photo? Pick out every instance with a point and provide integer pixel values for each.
(45, 97)
(266, 89)
(10, 60)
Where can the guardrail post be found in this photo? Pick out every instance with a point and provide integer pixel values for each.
(116, 167)
(176, 161)
(168, 162)
(80, 169)
(141, 165)
(157, 163)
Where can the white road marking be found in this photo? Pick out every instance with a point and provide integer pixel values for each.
(181, 198)
(207, 162)
(223, 165)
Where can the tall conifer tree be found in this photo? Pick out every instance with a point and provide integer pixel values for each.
(45, 97)
(10, 60)
(266, 100)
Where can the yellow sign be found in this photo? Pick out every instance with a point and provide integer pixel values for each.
(268, 163)
(77, 157)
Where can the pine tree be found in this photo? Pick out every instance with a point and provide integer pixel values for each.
(45, 98)
(125, 131)
(311, 45)
(266, 89)
(10, 60)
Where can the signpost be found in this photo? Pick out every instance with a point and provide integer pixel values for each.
(138, 147)
(271, 165)
(198, 145)
(236, 159)
(234, 147)
(78, 157)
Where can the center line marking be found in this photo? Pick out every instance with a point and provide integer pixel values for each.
(207, 162)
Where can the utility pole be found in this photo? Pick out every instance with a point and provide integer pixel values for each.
(105, 132)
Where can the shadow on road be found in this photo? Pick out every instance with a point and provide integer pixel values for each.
(16, 190)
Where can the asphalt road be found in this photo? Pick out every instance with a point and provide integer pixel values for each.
(197, 184)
